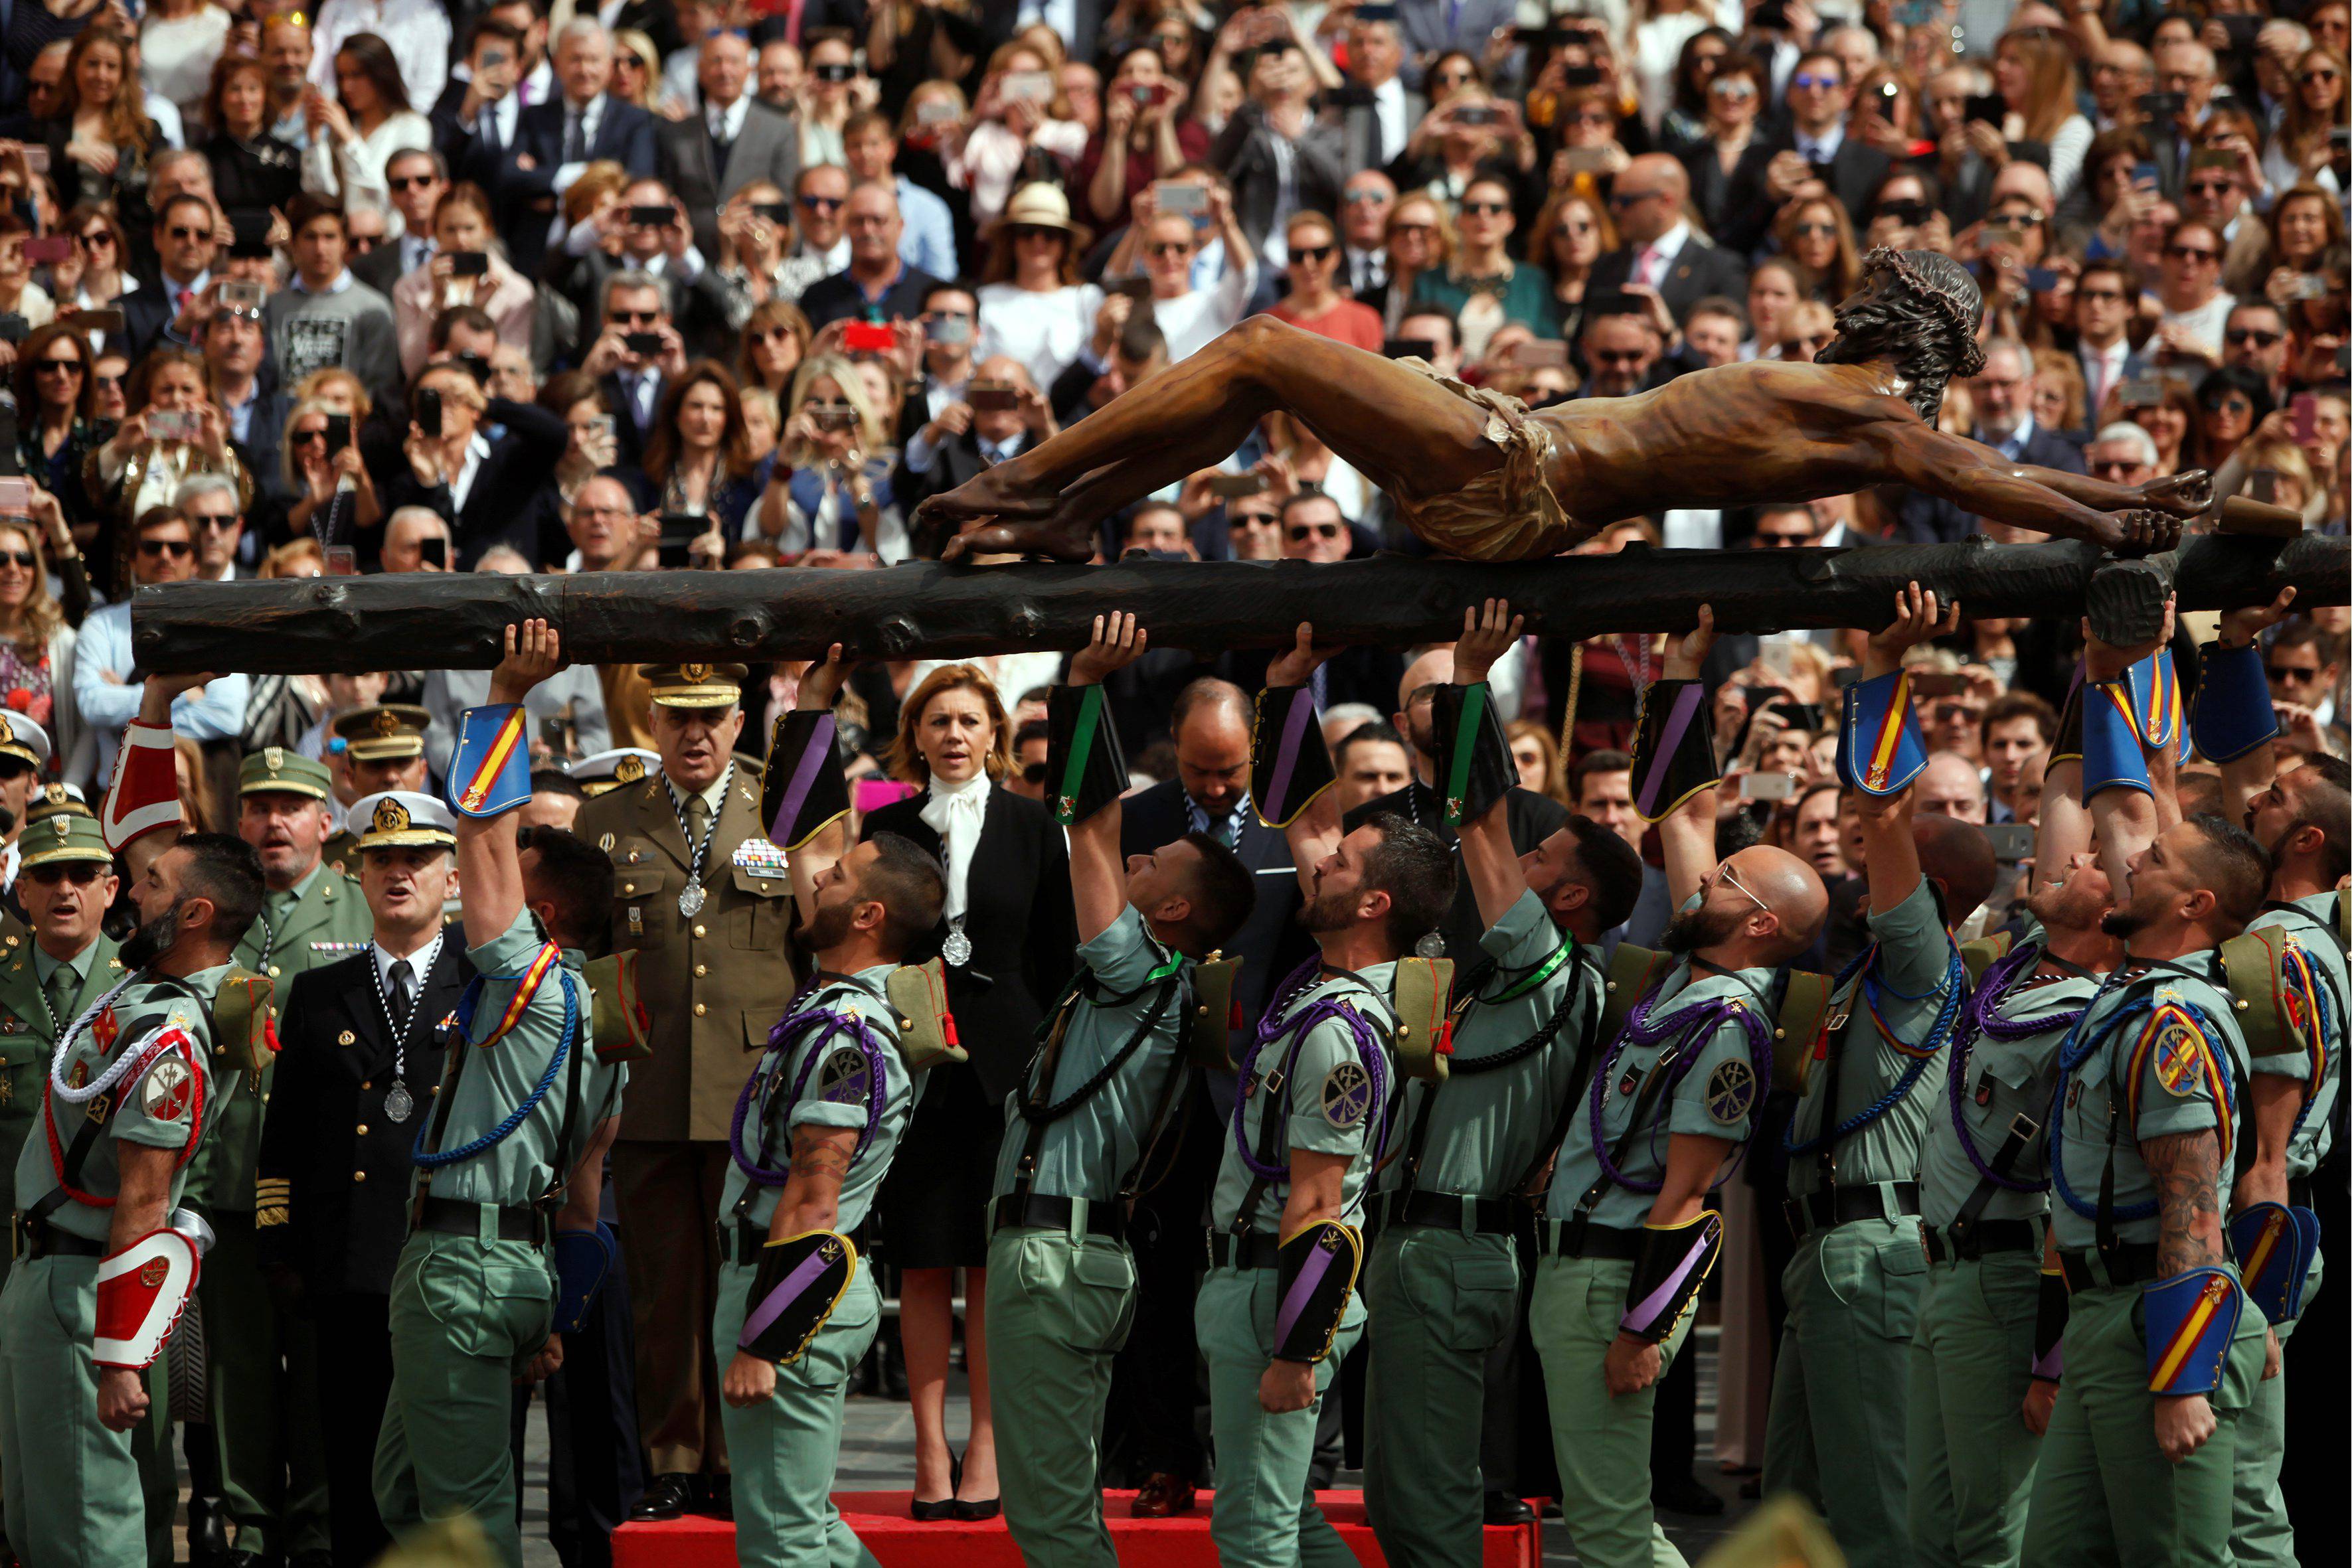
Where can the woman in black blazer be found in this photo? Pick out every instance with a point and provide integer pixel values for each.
(498, 505)
(1009, 938)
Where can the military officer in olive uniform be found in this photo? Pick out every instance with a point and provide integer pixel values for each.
(513, 1147)
(826, 1109)
(1835, 1431)
(264, 1407)
(1316, 1082)
(360, 1054)
(384, 748)
(1109, 1072)
(702, 895)
(98, 1240)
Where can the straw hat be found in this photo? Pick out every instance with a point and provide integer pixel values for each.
(1041, 205)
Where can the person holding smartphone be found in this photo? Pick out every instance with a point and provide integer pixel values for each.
(462, 270)
(321, 463)
(825, 491)
(482, 485)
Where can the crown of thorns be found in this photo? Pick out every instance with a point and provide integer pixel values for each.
(1951, 296)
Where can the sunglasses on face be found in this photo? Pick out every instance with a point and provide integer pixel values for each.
(2117, 469)
(91, 242)
(2112, 295)
(1484, 209)
(173, 548)
(413, 182)
(1165, 249)
(778, 335)
(2289, 672)
(1251, 519)
(2306, 78)
(1035, 772)
(2230, 406)
(1023, 233)
(81, 874)
(108, 383)
(1809, 231)
(1301, 532)
(1738, 91)
(823, 204)
(2239, 337)
(213, 522)
(1363, 198)
(1818, 83)
(62, 367)
(179, 231)
(1312, 254)
(19, 558)
(1589, 117)
(1396, 229)
(2191, 253)
(633, 318)
(362, 244)
(307, 437)
(2212, 187)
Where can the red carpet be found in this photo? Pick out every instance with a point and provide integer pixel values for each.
(881, 1520)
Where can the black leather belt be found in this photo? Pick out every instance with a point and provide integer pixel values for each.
(1046, 1211)
(1252, 1249)
(2298, 1191)
(1443, 1211)
(30, 1240)
(2132, 1264)
(1985, 1236)
(455, 1216)
(1844, 1205)
(1566, 1239)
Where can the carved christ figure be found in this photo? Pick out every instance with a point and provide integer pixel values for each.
(1479, 477)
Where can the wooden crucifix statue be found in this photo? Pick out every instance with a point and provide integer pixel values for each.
(1479, 477)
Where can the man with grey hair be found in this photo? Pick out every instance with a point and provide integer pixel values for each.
(2187, 68)
(633, 374)
(731, 140)
(2122, 454)
(2120, 72)
(692, 291)
(216, 521)
(555, 141)
(2003, 390)
(404, 536)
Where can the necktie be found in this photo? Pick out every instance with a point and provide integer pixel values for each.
(1645, 266)
(59, 989)
(404, 998)
(179, 301)
(698, 821)
(574, 147)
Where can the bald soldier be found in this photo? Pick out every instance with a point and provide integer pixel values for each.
(1836, 1431)
(1626, 1238)
(703, 898)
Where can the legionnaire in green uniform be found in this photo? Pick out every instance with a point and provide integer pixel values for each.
(263, 1400)
(1277, 1310)
(1835, 1432)
(1626, 1236)
(1441, 1281)
(384, 748)
(831, 1096)
(1984, 1363)
(1108, 1077)
(2302, 819)
(97, 1289)
(528, 1102)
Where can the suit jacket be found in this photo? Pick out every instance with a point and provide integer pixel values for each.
(1855, 175)
(628, 439)
(719, 978)
(1929, 519)
(768, 147)
(498, 509)
(331, 1156)
(146, 314)
(27, 1036)
(624, 133)
(1018, 916)
(697, 310)
(1700, 268)
(1426, 34)
(1270, 941)
(1358, 124)
(1532, 818)
(1243, 152)
(470, 155)
(378, 268)
(329, 920)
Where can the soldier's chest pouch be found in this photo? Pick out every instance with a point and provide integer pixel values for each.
(764, 912)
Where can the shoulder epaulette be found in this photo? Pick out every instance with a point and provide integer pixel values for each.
(1983, 953)
(2254, 966)
(619, 1027)
(244, 1028)
(919, 1006)
(1208, 1033)
(1797, 1032)
(1424, 1034)
(1632, 972)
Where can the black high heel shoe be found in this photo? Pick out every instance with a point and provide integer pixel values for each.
(945, 1508)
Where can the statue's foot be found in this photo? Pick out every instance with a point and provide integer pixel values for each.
(2138, 532)
(1056, 538)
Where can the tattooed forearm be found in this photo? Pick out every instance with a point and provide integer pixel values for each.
(819, 1159)
(2186, 1168)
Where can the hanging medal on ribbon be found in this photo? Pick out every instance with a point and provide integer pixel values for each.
(690, 902)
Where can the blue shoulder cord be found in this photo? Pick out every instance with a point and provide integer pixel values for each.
(1955, 991)
(2077, 1049)
(521, 1112)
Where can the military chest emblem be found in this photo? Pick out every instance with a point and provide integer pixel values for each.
(1730, 1091)
(153, 1273)
(12, 1026)
(628, 770)
(105, 1028)
(168, 1092)
(761, 857)
(846, 1079)
(2180, 1061)
(605, 842)
(77, 1075)
(1346, 1094)
(347, 1038)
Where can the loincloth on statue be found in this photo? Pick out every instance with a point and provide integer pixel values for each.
(1508, 513)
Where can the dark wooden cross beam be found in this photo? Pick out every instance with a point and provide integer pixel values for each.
(436, 621)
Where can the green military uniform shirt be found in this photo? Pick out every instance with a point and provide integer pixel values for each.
(320, 920)
(159, 1110)
(2311, 922)
(2177, 1092)
(1087, 1153)
(1486, 1129)
(2004, 1080)
(835, 1094)
(28, 1035)
(1326, 1100)
(495, 1079)
(1717, 1098)
(1908, 973)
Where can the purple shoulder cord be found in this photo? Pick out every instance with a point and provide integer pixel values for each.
(1274, 1027)
(1695, 1022)
(796, 1022)
(1984, 1017)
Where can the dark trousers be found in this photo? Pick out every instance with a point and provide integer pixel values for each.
(1152, 1422)
(354, 1351)
(1673, 1422)
(2317, 1369)
(594, 1473)
(668, 1198)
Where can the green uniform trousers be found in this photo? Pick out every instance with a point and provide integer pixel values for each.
(2103, 1493)
(1439, 1301)
(74, 1491)
(1971, 1458)
(2261, 1535)
(467, 1314)
(1262, 1516)
(785, 1451)
(1059, 1306)
(264, 1400)
(1600, 1444)
(1835, 1431)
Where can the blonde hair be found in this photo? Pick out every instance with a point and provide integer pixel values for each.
(280, 561)
(905, 760)
(842, 371)
(312, 387)
(41, 620)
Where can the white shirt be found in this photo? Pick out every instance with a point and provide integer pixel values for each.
(476, 451)
(589, 116)
(1822, 149)
(418, 963)
(1660, 254)
(1388, 104)
(726, 122)
(1691, 528)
